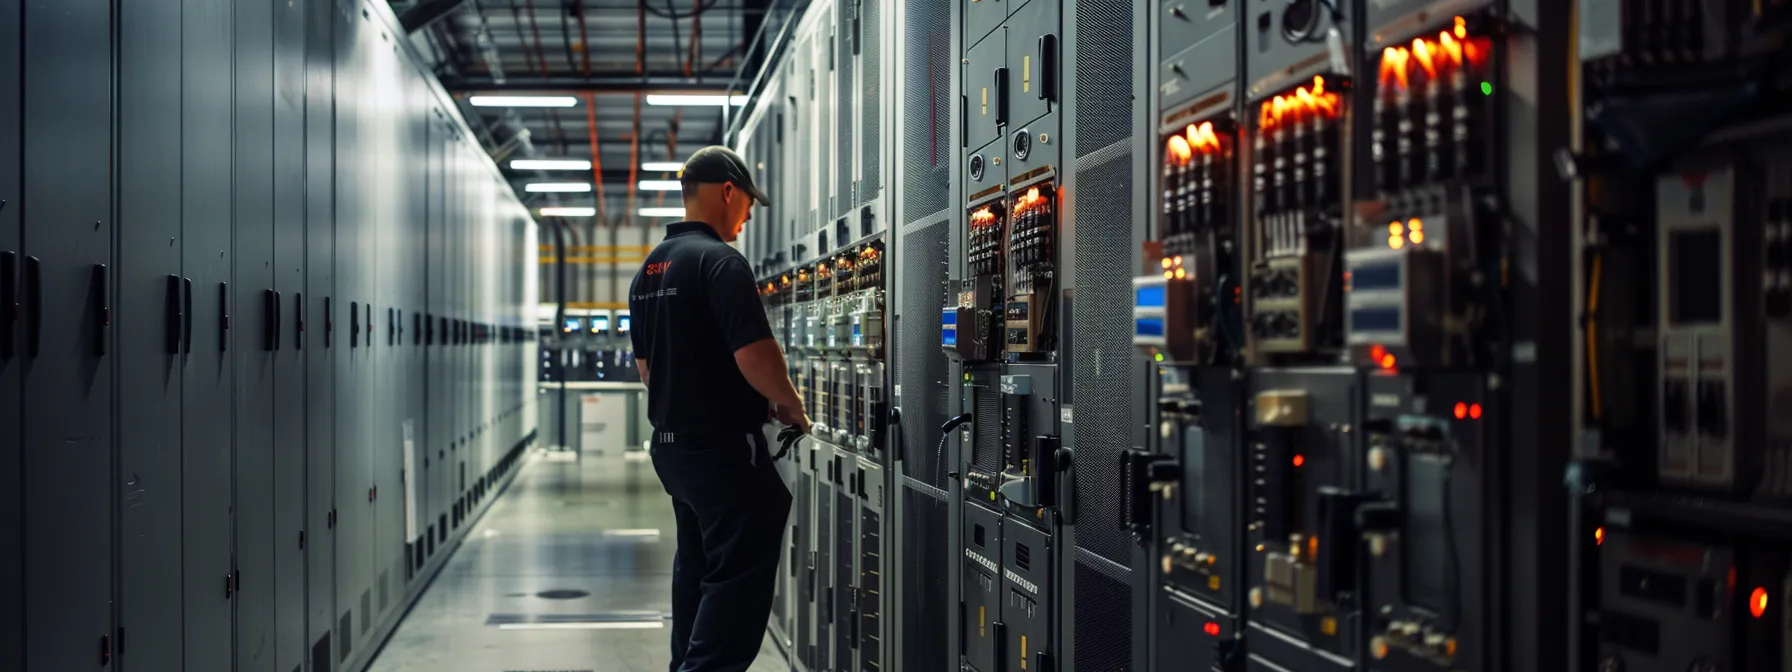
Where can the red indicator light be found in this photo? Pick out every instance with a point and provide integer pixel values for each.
(1387, 361)
(1757, 602)
(1474, 412)
(1213, 628)
(1300, 460)
(1599, 536)
(1461, 410)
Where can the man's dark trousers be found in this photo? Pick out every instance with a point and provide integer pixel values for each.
(731, 507)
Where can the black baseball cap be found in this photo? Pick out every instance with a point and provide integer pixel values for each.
(716, 164)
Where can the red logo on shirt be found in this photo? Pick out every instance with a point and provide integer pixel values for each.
(656, 269)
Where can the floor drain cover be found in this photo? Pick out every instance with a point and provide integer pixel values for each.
(562, 594)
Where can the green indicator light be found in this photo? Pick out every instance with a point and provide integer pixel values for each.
(1487, 88)
(1160, 356)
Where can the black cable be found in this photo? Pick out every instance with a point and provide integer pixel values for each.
(945, 433)
(676, 48)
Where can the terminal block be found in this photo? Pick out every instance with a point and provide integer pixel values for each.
(1031, 269)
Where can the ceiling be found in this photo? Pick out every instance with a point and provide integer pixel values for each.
(607, 53)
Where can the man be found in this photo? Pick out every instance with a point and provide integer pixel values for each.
(706, 352)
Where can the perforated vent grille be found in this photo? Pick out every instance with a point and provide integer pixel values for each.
(925, 552)
(1104, 64)
(1103, 617)
(871, 36)
(1103, 361)
(987, 444)
(926, 107)
(921, 367)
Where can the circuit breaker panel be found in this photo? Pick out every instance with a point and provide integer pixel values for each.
(1683, 475)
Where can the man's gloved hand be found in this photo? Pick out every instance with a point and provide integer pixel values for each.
(788, 437)
(793, 416)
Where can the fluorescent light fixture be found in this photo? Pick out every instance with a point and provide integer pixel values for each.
(631, 533)
(523, 101)
(558, 187)
(569, 212)
(550, 164)
(660, 185)
(588, 625)
(662, 166)
(686, 99)
(662, 212)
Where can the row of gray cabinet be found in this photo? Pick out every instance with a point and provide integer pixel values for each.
(262, 333)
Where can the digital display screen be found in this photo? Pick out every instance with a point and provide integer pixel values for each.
(600, 325)
(949, 317)
(1153, 326)
(1375, 277)
(573, 324)
(1151, 296)
(622, 324)
(949, 335)
(1375, 319)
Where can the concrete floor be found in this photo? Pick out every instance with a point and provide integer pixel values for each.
(569, 571)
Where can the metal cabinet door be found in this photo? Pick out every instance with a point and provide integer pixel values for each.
(152, 295)
(984, 77)
(258, 307)
(1033, 54)
(68, 379)
(324, 318)
(354, 488)
(290, 536)
(206, 177)
(11, 332)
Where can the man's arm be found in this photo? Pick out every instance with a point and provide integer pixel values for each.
(641, 365)
(734, 302)
(762, 363)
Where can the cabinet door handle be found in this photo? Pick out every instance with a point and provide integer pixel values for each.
(270, 320)
(174, 317)
(1048, 67)
(298, 315)
(34, 306)
(329, 323)
(9, 300)
(223, 317)
(354, 324)
(186, 315)
(1001, 87)
(102, 308)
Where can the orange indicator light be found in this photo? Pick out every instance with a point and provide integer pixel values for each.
(1461, 410)
(1213, 628)
(1300, 460)
(1757, 602)
(1599, 536)
(1474, 411)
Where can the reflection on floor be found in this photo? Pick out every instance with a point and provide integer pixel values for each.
(569, 571)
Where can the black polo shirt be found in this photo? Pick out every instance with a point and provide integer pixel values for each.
(693, 303)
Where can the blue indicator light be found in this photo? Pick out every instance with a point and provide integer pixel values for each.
(1148, 327)
(1149, 297)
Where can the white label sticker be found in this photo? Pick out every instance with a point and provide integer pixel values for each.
(410, 483)
(1334, 43)
(1067, 416)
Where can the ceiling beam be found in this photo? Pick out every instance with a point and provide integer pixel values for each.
(623, 84)
(426, 12)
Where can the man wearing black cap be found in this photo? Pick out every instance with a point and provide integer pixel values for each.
(706, 351)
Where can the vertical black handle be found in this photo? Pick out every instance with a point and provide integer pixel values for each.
(354, 324)
(329, 323)
(1001, 87)
(9, 300)
(369, 308)
(174, 318)
(391, 327)
(1048, 67)
(416, 329)
(298, 319)
(186, 318)
(270, 320)
(102, 308)
(34, 306)
(223, 317)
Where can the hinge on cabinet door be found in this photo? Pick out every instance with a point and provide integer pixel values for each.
(105, 650)
(229, 586)
(301, 540)
(329, 323)
(332, 519)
